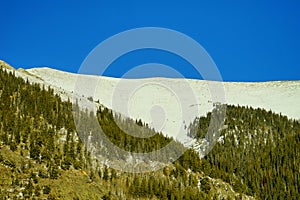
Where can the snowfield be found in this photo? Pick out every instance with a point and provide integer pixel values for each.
(168, 105)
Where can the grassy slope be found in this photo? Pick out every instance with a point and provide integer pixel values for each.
(71, 184)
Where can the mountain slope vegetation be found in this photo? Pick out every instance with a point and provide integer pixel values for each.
(259, 152)
(44, 155)
(52, 149)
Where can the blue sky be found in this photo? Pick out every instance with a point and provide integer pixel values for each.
(248, 40)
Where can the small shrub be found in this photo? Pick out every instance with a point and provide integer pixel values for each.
(46, 189)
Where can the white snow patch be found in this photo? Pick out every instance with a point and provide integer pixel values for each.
(176, 106)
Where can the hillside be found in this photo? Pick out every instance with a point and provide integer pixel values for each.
(179, 111)
(41, 155)
(53, 149)
(258, 152)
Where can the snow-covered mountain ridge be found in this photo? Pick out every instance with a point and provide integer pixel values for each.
(175, 113)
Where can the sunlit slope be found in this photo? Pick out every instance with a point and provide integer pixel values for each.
(168, 105)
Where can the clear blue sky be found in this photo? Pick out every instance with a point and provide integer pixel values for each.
(249, 40)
